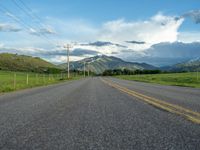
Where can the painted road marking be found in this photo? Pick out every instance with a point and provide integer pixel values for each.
(186, 113)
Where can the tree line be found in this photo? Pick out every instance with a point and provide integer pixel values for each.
(115, 72)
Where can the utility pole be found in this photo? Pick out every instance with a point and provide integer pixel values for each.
(68, 46)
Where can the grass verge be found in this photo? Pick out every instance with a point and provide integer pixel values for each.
(13, 81)
(189, 79)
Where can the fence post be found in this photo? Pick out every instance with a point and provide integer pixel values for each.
(27, 78)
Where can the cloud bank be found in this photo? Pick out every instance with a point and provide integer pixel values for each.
(159, 28)
(163, 54)
(150, 39)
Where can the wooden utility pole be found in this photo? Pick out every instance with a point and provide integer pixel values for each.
(68, 46)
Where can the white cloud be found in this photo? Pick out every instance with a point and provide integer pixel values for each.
(42, 31)
(189, 37)
(47, 30)
(5, 27)
(63, 59)
(107, 50)
(159, 28)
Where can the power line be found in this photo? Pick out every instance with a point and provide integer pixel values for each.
(40, 25)
(27, 11)
(17, 19)
(6, 12)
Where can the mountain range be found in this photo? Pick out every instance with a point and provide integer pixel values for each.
(100, 63)
(191, 65)
(96, 64)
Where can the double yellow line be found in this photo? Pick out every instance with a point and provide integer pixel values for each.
(187, 113)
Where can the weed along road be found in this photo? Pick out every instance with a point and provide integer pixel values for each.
(101, 113)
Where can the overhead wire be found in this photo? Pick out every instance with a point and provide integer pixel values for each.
(24, 24)
(27, 10)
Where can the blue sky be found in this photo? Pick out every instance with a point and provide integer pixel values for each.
(88, 21)
(99, 11)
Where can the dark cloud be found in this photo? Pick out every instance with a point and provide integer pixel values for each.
(164, 54)
(194, 15)
(174, 50)
(127, 51)
(161, 54)
(136, 42)
(177, 18)
(23, 51)
(100, 44)
(48, 53)
(114, 53)
(63, 52)
(82, 52)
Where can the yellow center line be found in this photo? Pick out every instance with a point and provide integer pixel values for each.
(187, 113)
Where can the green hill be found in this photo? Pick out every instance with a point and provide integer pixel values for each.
(189, 66)
(14, 62)
(98, 64)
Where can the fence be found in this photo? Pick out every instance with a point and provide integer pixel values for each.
(10, 81)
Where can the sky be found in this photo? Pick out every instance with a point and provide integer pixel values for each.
(157, 32)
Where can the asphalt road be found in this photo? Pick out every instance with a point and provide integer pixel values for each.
(89, 114)
(183, 96)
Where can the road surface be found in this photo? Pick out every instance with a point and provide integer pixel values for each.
(92, 114)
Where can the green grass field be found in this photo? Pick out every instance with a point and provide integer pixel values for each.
(191, 79)
(11, 81)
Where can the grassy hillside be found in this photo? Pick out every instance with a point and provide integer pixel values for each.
(190, 66)
(14, 62)
(191, 79)
(98, 64)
